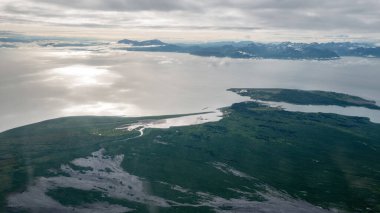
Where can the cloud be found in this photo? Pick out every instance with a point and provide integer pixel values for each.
(125, 5)
(357, 18)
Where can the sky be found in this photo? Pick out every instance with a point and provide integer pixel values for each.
(194, 20)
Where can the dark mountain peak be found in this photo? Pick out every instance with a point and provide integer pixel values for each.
(154, 41)
(126, 41)
(142, 43)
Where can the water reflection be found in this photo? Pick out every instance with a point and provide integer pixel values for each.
(81, 75)
(101, 108)
(43, 83)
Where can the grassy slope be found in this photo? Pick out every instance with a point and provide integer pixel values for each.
(326, 159)
(304, 97)
(29, 151)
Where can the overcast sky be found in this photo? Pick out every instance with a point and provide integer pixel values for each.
(264, 20)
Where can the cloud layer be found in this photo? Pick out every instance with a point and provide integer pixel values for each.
(339, 18)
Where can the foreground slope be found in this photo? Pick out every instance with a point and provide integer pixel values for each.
(256, 158)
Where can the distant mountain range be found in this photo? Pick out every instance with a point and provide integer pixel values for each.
(248, 49)
(142, 43)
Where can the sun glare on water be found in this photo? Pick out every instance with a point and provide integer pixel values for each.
(82, 75)
(102, 108)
